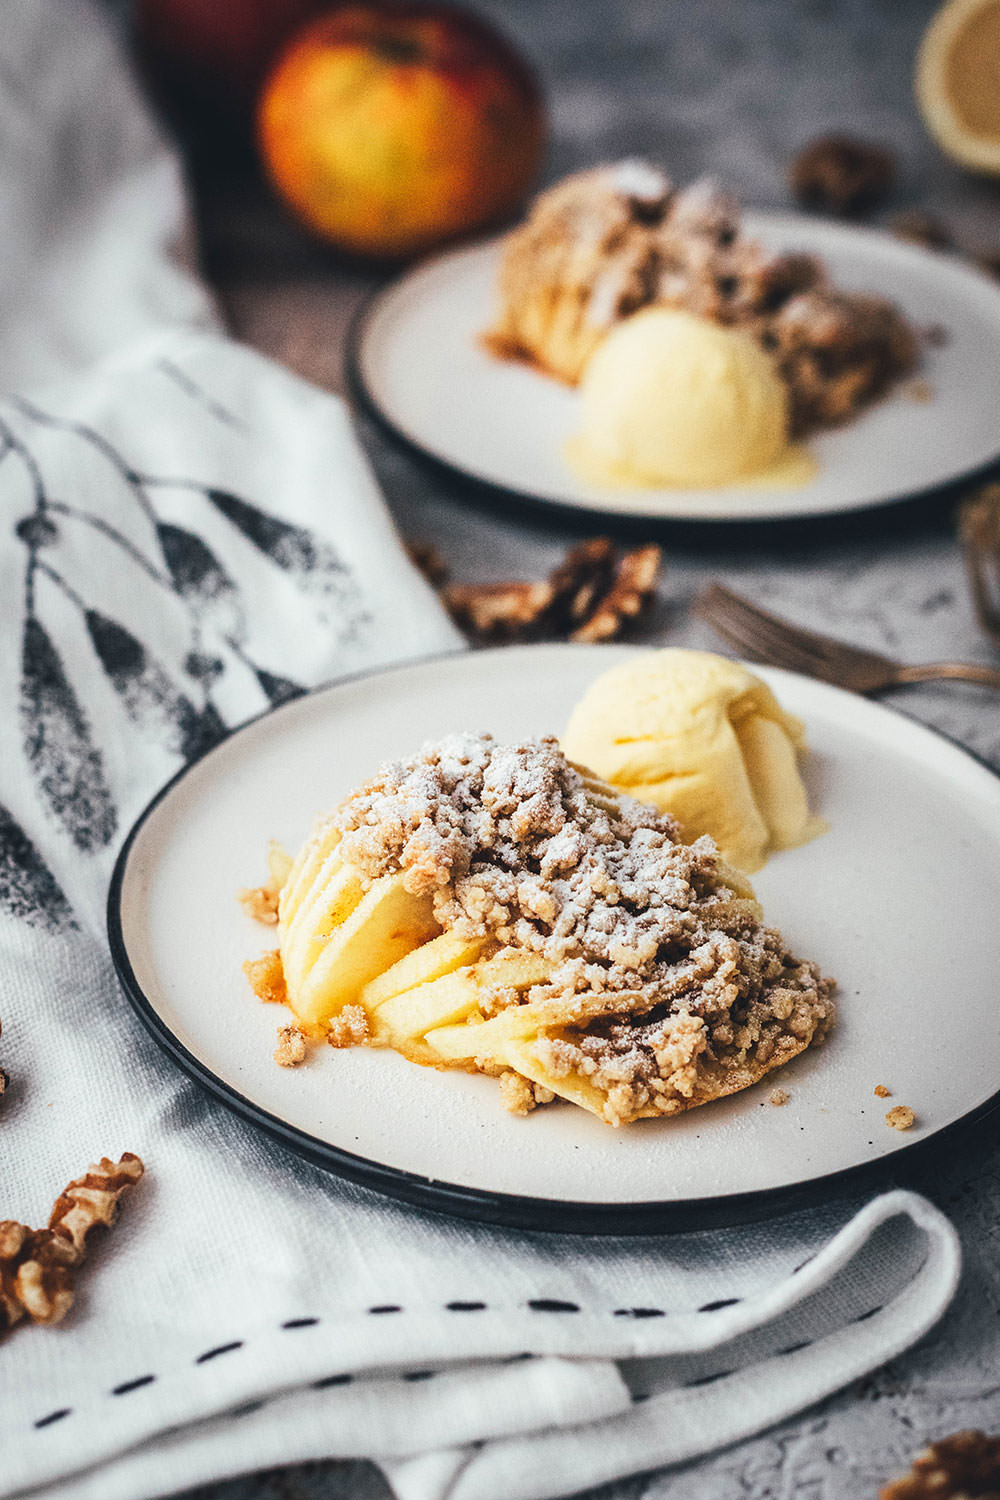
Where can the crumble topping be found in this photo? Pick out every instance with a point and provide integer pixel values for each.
(603, 243)
(901, 1117)
(881, 1092)
(519, 1095)
(778, 1097)
(662, 977)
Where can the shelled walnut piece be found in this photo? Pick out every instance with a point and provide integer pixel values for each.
(841, 174)
(590, 596)
(38, 1266)
(964, 1466)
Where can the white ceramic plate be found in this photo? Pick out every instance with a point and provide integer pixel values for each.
(898, 901)
(418, 366)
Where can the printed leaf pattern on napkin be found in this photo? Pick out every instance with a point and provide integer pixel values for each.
(152, 700)
(173, 703)
(313, 563)
(28, 889)
(68, 768)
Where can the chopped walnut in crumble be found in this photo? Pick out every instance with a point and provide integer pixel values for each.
(291, 1048)
(901, 1117)
(267, 978)
(349, 1028)
(664, 987)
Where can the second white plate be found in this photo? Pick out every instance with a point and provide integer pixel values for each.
(418, 365)
(898, 901)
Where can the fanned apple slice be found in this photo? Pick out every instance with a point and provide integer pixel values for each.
(442, 955)
(572, 1086)
(279, 865)
(512, 970)
(402, 1020)
(387, 923)
(305, 867)
(508, 1040)
(486, 1039)
(338, 892)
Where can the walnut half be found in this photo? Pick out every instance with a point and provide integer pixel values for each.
(38, 1266)
(590, 596)
(839, 174)
(964, 1466)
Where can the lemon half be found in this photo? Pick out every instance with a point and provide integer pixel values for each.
(958, 82)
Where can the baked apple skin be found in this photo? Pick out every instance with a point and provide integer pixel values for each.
(391, 128)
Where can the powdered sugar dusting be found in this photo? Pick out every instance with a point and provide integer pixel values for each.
(658, 958)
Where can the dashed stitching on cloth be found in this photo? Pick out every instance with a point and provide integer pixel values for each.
(535, 1304)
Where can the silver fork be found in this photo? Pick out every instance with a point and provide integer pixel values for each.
(767, 638)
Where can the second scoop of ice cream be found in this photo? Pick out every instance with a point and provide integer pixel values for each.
(704, 739)
(672, 399)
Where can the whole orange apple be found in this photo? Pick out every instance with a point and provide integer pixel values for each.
(390, 128)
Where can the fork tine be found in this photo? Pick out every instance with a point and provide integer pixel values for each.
(767, 639)
(757, 632)
(776, 654)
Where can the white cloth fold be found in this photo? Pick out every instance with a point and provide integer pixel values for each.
(189, 535)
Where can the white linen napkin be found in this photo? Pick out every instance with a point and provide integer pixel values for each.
(190, 534)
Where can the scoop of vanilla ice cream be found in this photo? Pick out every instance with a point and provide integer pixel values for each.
(702, 738)
(672, 399)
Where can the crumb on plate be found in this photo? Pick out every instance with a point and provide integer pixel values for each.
(267, 977)
(260, 902)
(291, 1048)
(349, 1028)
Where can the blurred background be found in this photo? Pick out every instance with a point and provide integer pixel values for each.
(732, 90)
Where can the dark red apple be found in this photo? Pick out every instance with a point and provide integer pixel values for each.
(215, 54)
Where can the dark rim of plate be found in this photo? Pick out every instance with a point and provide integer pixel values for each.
(489, 494)
(655, 1217)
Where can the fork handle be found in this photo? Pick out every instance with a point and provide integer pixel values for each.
(932, 671)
